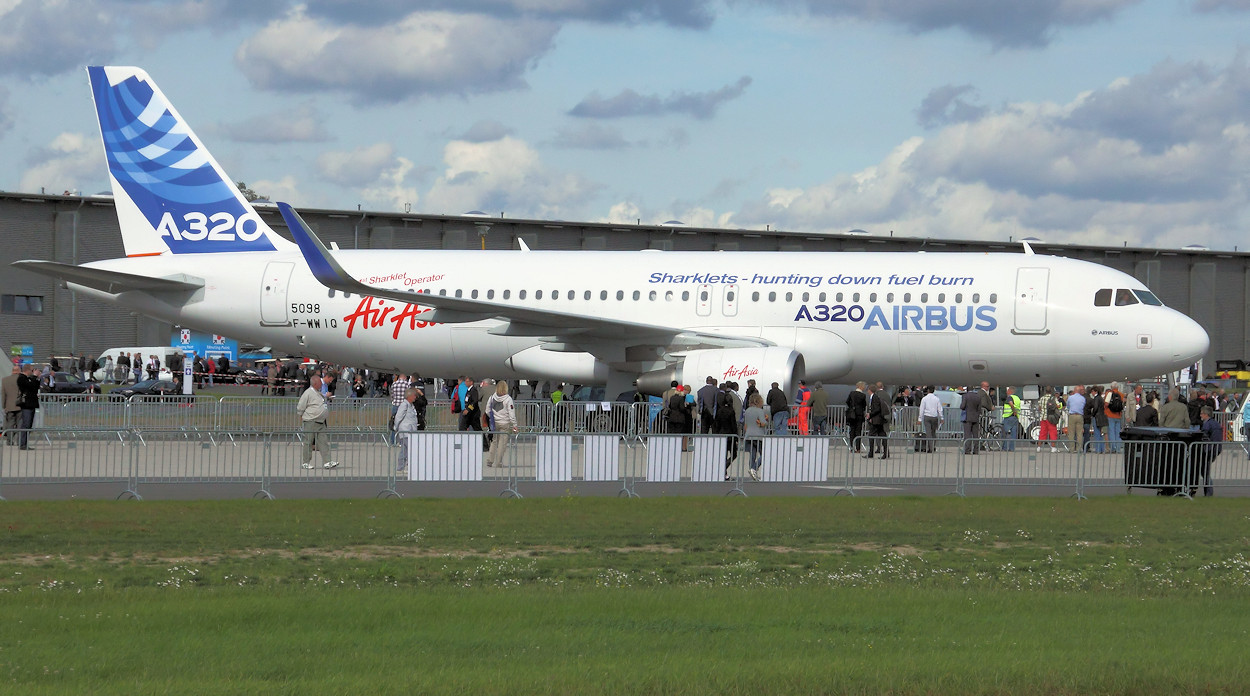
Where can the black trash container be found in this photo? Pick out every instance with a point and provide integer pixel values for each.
(1152, 460)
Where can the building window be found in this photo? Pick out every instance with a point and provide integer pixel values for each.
(21, 304)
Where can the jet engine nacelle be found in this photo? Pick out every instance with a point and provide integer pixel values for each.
(764, 365)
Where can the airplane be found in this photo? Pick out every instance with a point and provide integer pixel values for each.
(198, 254)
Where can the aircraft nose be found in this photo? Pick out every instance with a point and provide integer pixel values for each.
(1189, 340)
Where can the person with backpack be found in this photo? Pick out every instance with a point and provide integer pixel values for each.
(1114, 399)
(1052, 413)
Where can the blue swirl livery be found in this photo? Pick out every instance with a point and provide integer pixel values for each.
(171, 195)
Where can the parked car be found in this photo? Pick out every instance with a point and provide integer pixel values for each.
(66, 383)
(149, 387)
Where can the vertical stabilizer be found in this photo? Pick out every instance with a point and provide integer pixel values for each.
(171, 195)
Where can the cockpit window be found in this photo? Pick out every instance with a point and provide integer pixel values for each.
(1148, 297)
(1102, 298)
(1124, 297)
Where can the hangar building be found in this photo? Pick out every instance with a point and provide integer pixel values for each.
(1210, 286)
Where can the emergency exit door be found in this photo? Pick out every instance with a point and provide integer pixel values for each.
(1031, 300)
(273, 293)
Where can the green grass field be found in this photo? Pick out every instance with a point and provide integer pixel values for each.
(579, 595)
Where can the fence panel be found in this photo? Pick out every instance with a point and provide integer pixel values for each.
(1026, 466)
(81, 411)
(937, 464)
(80, 455)
(180, 412)
(223, 457)
(1164, 466)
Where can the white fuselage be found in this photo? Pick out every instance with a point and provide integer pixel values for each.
(901, 317)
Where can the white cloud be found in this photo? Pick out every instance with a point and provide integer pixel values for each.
(69, 162)
(300, 124)
(1082, 172)
(6, 118)
(46, 37)
(357, 167)
(285, 189)
(375, 171)
(504, 175)
(422, 53)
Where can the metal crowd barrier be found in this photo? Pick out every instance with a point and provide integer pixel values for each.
(181, 453)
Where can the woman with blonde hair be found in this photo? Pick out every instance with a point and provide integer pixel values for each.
(502, 415)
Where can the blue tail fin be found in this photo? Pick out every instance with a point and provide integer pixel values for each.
(171, 195)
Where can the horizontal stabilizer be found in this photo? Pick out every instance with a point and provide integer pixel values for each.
(113, 282)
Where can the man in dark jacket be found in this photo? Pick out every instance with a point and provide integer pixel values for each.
(820, 410)
(705, 398)
(779, 407)
(878, 421)
(970, 407)
(856, 407)
(28, 387)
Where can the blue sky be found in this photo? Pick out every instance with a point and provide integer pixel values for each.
(1097, 121)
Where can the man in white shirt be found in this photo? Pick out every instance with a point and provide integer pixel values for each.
(312, 410)
(930, 417)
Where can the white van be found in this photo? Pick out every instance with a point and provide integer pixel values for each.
(162, 352)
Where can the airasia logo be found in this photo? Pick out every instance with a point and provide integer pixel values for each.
(373, 314)
(740, 373)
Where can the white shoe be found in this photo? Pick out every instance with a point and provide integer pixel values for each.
(329, 465)
(307, 465)
(1052, 449)
(755, 474)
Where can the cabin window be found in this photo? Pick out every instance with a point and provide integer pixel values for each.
(586, 295)
(668, 296)
(789, 297)
(907, 297)
(490, 294)
(521, 295)
(331, 293)
(1124, 297)
(703, 295)
(442, 291)
(729, 296)
(838, 297)
(651, 296)
(772, 297)
(976, 297)
(821, 297)
(1102, 298)
(459, 292)
(855, 297)
(959, 298)
(603, 294)
(993, 298)
(538, 294)
(805, 297)
(620, 295)
(889, 297)
(941, 297)
(755, 296)
(924, 297)
(872, 297)
(473, 295)
(637, 295)
(685, 295)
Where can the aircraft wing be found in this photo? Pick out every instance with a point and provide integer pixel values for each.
(114, 282)
(580, 331)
